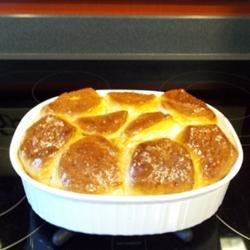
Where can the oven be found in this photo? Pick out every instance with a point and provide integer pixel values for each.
(223, 84)
(209, 57)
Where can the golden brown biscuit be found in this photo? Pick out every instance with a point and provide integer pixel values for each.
(91, 165)
(144, 121)
(103, 124)
(131, 98)
(211, 149)
(187, 108)
(75, 102)
(42, 141)
(150, 126)
(131, 101)
(160, 167)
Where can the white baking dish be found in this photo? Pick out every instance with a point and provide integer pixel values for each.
(122, 215)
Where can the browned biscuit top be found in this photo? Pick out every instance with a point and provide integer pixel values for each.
(103, 124)
(131, 98)
(44, 138)
(90, 165)
(143, 121)
(186, 104)
(161, 166)
(212, 148)
(75, 101)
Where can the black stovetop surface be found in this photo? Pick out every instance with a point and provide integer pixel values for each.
(225, 85)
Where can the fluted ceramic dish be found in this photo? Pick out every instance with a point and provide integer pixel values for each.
(123, 215)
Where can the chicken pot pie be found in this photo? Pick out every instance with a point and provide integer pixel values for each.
(126, 143)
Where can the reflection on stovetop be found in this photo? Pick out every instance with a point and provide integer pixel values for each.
(224, 88)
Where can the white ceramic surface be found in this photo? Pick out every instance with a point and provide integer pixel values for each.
(122, 215)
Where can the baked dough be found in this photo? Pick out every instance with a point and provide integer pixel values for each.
(42, 141)
(102, 124)
(159, 167)
(187, 108)
(76, 103)
(127, 143)
(212, 151)
(90, 165)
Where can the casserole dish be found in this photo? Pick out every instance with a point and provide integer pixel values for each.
(122, 215)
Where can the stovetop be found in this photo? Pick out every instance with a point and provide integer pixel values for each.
(225, 85)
